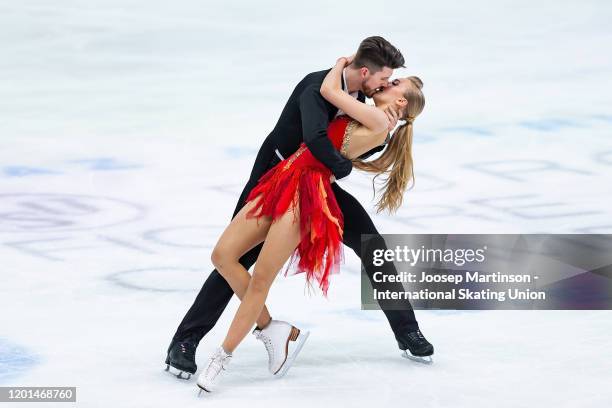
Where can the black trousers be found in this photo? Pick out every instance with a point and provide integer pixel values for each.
(216, 292)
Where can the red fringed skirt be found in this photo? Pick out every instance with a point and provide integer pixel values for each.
(302, 181)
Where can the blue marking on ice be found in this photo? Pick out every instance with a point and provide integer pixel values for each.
(239, 152)
(106, 163)
(21, 171)
(604, 117)
(472, 130)
(549, 125)
(14, 360)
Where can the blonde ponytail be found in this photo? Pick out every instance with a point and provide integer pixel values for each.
(396, 160)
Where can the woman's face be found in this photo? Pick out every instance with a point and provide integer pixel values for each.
(392, 93)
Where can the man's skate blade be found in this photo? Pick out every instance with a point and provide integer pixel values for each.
(178, 373)
(423, 360)
(298, 347)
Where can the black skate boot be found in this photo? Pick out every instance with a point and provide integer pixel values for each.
(415, 347)
(181, 358)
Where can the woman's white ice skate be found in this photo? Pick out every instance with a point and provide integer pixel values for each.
(217, 363)
(283, 343)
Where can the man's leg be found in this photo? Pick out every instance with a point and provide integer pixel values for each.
(215, 294)
(356, 222)
(403, 322)
(205, 311)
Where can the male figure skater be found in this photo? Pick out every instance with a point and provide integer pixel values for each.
(305, 118)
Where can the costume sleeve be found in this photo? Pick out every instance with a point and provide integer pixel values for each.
(315, 120)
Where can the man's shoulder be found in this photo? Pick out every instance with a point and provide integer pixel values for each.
(314, 78)
(310, 85)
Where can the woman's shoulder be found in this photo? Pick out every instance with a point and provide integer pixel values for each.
(357, 129)
(359, 138)
(353, 127)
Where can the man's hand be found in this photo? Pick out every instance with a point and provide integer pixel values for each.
(393, 117)
(332, 178)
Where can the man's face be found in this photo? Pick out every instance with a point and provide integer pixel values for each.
(370, 83)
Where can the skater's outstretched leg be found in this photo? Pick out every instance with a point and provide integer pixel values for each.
(239, 237)
(280, 242)
(403, 322)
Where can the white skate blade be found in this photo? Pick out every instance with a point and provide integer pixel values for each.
(202, 390)
(298, 347)
(180, 374)
(418, 359)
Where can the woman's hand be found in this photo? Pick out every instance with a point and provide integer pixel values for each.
(344, 61)
(332, 178)
(341, 62)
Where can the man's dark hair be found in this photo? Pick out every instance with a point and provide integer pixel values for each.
(375, 52)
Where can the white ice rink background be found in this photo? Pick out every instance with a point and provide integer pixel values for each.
(128, 128)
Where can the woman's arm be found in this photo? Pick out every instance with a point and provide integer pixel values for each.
(369, 116)
(332, 81)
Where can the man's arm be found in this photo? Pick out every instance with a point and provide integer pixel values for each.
(315, 120)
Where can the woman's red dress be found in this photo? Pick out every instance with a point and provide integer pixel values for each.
(303, 181)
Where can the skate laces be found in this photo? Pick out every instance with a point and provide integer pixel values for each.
(186, 348)
(267, 343)
(217, 363)
(417, 333)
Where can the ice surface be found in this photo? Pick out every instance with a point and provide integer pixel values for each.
(128, 128)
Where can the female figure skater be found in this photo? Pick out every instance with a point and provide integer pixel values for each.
(294, 212)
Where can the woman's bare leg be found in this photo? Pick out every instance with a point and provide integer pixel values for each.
(282, 239)
(239, 237)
